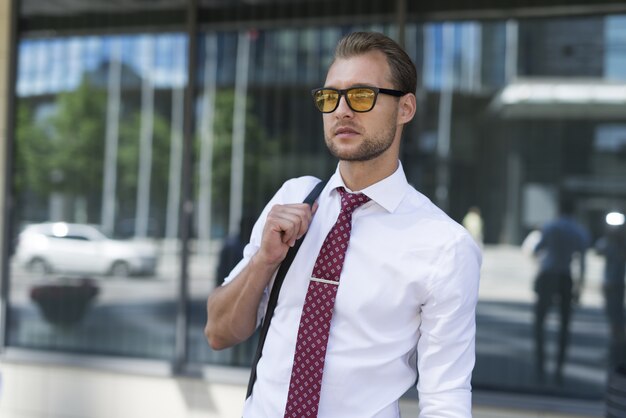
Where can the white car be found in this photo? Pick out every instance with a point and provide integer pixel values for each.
(79, 248)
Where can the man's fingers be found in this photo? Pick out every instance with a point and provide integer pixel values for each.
(314, 208)
(289, 226)
(284, 225)
(292, 221)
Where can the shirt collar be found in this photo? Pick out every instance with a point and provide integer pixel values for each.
(388, 192)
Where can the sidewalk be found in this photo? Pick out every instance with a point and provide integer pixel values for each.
(409, 410)
(481, 412)
(488, 404)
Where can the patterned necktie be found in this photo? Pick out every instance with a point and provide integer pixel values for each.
(308, 364)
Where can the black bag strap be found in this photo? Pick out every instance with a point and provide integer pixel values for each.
(278, 282)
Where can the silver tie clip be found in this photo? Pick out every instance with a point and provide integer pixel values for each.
(315, 279)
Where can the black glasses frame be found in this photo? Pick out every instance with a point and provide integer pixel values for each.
(344, 92)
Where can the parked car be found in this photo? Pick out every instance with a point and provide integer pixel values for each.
(79, 248)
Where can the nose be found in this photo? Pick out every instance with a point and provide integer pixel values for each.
(343, 110)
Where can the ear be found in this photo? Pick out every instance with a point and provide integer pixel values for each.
(406, 108)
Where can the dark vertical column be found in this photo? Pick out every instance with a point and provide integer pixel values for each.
(401, 20)
(186, 202)
(6, 189)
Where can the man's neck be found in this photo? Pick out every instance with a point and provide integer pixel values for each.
(358, 175)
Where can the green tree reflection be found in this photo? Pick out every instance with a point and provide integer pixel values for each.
(261, 174)
(61, 151)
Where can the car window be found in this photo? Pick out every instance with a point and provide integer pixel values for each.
(72, 237)
(77, 237)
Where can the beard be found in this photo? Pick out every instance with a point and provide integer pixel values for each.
(369, 148)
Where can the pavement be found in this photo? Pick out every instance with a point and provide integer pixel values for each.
(411, 410)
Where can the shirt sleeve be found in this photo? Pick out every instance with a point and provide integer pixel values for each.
(446, 348)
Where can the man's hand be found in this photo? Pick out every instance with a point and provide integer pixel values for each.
(284, 225)
(232, 308)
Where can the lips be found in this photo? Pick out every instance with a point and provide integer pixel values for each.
(345, 130)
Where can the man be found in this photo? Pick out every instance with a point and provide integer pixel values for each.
(561, 241)
(408, 283)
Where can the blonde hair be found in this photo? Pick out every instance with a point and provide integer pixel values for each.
(403, 72)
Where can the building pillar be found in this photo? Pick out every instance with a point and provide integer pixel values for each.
(5, 27)
(6, 35)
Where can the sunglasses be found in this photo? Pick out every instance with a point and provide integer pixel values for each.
(359, 98)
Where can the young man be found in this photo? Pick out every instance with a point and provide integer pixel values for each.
(395, 287)
(561, 241)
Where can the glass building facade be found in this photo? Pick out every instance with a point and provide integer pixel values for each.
(143, 143)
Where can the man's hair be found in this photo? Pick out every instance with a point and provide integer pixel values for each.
(403, 72)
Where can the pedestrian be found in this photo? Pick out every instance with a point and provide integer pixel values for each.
(230, 254)
(232, 249)
(562, 241)
(473, 222)
(353, 327)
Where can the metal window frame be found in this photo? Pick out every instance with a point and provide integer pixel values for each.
(6, 188)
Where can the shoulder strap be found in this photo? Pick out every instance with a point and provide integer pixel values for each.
(278, 282)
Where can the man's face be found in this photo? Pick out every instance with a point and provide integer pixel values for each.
(355, 136)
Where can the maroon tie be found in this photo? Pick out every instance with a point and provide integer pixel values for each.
(308, 364)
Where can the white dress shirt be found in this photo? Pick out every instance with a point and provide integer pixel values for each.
(406, 302)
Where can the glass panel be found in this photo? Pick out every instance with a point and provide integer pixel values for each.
(511, 116)
(97, 175)
(515, 116)
(257, 127)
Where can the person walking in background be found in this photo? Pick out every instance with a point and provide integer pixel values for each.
(473, 222)
(385, 283)
(231, 252)
(230, 255)
(613, 247)
(562, 241)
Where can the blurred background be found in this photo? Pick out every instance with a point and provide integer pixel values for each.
(138, 139)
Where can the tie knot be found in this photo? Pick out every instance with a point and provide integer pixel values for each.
(351, 201)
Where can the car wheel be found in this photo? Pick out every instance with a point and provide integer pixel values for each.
(120, 269)
(39, 267)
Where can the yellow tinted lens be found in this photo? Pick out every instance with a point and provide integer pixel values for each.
(326, 100)
(361, 99)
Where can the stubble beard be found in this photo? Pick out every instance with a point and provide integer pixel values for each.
(370, 147)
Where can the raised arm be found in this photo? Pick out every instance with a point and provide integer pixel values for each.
(232, 308)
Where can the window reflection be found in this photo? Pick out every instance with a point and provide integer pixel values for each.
(510, 167)
(512, 115)
(95, 266)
